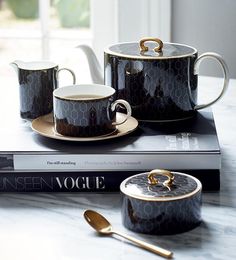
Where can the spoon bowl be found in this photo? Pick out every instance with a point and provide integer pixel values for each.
(103, 226)
(98, 222)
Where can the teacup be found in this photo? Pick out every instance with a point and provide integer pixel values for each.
(86, 110)
(37, 80)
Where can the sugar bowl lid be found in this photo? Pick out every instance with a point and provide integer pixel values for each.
(150, 48)
(160, 185)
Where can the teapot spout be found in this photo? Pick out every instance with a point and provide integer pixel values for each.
(94, 66)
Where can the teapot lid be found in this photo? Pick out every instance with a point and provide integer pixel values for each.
(160, 185)
(150, 48)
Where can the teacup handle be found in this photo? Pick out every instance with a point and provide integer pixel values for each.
(71, 72)
(126, 105)
(225, 70)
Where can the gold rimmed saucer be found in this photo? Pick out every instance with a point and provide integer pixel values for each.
(44, 126)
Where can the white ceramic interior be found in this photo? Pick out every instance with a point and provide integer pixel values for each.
(35, 65)
(85, 89)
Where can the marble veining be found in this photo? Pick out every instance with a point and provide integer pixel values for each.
(51, 226)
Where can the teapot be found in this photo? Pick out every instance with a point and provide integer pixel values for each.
(158, 79)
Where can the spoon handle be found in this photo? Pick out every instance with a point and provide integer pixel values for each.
(155, 249)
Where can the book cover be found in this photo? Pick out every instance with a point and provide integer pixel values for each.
(188, 145)
(32, 163)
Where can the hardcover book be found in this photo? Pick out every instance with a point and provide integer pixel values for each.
(26, 157)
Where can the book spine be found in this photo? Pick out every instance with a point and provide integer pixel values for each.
(85, 181)
(109, 162)
(61, 182)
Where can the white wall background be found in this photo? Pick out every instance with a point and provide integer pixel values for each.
(116, 21)
(208, 25)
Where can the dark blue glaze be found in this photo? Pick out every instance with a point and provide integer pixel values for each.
(84, 118)
(157, 89)
(36, 88)
(161, 217)
(158, 208)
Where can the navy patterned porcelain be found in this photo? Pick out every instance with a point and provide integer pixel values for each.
(86, 110)
(37, 80)
(161, 202)
(160, 83)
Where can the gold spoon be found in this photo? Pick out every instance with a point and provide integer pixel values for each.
(103, 226)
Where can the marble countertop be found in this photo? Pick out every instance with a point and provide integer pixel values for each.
(51, 226)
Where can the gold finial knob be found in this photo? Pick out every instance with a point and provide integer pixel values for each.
(159, 172)
(144, 48)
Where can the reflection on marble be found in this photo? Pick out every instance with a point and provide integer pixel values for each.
(51, 226)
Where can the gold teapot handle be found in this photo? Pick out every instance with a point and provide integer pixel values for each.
(159, 172)
(144, 48)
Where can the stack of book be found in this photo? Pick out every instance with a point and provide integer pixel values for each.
(30, 162)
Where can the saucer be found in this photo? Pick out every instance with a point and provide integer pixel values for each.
(44, 126)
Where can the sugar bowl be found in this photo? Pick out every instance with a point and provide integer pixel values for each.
(161, 202)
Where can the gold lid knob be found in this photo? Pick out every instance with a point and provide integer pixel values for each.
(144, 48)
(159, 172)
